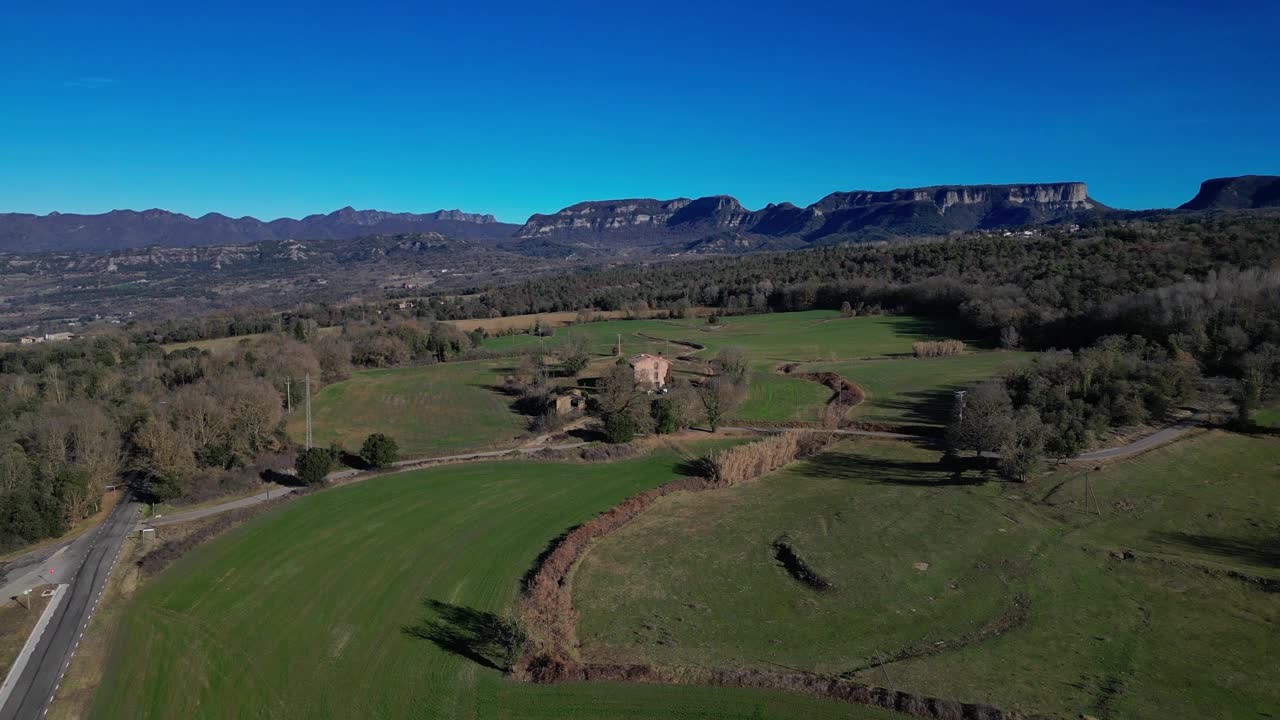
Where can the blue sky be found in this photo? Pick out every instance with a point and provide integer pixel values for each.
(512, 109)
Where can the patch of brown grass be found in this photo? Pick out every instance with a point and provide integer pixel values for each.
(16, 624)
(937, 348)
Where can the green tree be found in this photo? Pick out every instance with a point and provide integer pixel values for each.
(313, 465)
(666, 415)
(619, 427)
(982, 418)
(380, 451)
(1023, 449)
(621, 403)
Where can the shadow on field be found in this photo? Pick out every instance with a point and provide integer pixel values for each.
(945, 472)
(1261, 552)
(537, 563)
(924, 407)
(479, 636)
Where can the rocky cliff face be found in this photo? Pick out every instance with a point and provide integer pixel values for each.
(927, 210)
(1237, 193)
(642, 219)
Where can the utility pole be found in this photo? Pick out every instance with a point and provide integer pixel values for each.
(308, 381)
(618, 347)
(960, 403)
(288, 396)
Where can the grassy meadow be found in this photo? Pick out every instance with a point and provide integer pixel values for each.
(451, 407)
(918, 391)
(953, 585)
(428, 409)
(363, 601)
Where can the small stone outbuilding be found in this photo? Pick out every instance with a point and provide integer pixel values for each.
(570, 404)
(650, 370)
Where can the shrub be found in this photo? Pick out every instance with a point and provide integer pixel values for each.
(379, 451)
(937, 348)
(619, 427)
(313, 464)
(666, 416)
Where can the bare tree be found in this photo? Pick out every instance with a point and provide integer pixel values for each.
(732, 363)
(719, 396)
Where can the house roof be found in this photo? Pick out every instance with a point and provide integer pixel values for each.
(645, 356)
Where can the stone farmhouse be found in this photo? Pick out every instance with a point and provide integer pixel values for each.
(650, 370)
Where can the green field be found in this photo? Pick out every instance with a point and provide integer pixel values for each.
(918, 391)
(772, 397)
(429, 409)
(774, 339)
(814, 335)
(1269, 418)
(604, 335)
(451, 407)
(1168, 633)
(320, 609)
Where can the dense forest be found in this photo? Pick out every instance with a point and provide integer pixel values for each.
(1207, 285)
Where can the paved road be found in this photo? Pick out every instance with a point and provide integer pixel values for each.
(40, 678)
(1160, 437)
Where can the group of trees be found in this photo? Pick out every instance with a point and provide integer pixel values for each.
(378, 452)
(1058, 405)
(628, 408)
(76, 417)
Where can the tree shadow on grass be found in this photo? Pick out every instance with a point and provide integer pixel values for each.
(479, 636)
(946, 472)
(923, 407)
(1255, 551)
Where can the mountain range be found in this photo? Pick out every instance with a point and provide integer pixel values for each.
(840, 216)
(717, 223)
(123, 229)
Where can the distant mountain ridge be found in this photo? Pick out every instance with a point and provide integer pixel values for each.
(123, 229)
(639, 226)
(1244, 192)
(841, 215)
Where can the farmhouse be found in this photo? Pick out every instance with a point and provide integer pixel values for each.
(650, 370)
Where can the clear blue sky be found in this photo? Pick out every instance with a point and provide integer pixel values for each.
(301, 108)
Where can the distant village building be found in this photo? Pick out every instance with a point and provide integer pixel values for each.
(650, 370)
(405, 305)
(30, 340)
(58, 337)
